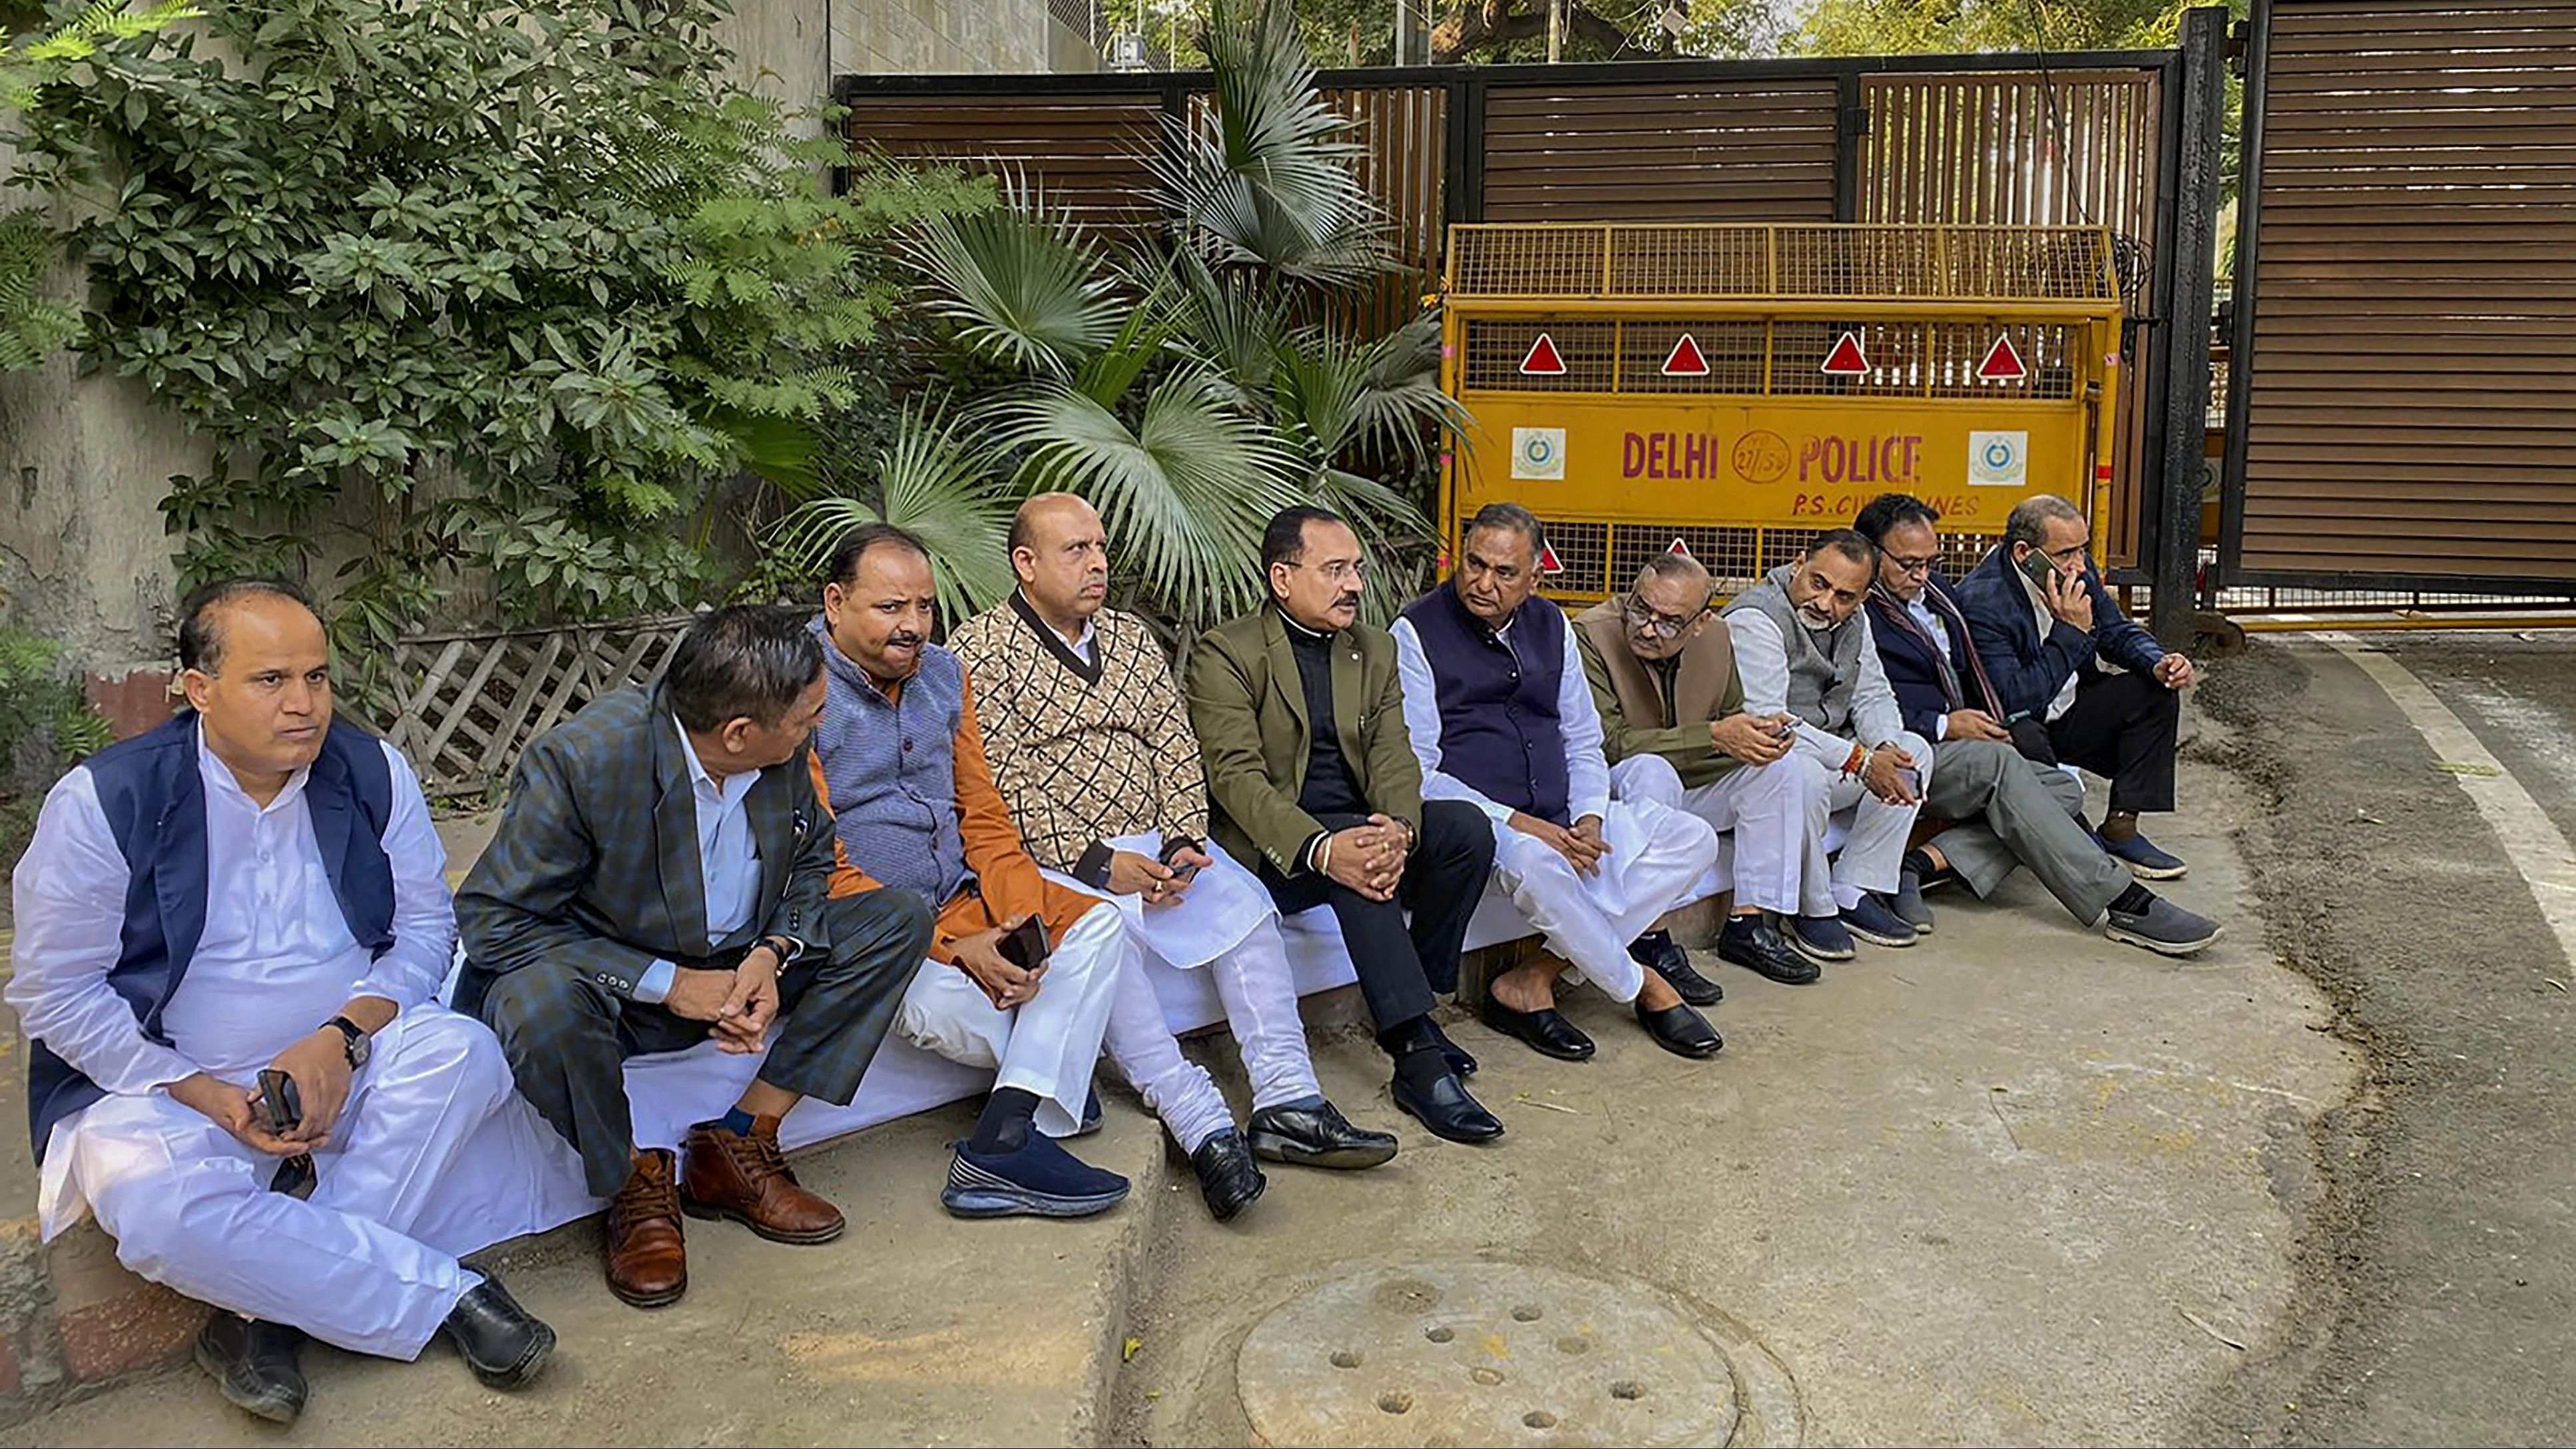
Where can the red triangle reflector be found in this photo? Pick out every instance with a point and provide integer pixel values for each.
(2002, 364)
(1543, 360)
(1846, 359)
(1679, 547)
(1686, 360)
(1547, 563)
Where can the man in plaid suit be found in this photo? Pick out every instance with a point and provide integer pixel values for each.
(658, 879)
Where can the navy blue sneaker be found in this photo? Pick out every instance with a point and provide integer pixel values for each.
(1874, 922)
(1090, 1115)
(1039, 1180)
(2142, 858)
(1820, 938)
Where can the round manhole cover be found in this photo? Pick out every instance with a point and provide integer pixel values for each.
(1507, 1353)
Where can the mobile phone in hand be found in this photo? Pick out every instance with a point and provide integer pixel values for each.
(2037, 566)
(279, 1103)
(1025, 945)
(1172, 849)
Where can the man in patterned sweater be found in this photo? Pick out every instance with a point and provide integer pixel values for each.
(1093, 752)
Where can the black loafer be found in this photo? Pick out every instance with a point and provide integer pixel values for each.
(1456, 1055)
(1448, 1111)
(1658, 951)
(1755, 944)
(505, 1345)
(1317, 1137)
(1694, 988)
(1681, 1031)
(254, 1362)
(1228, 1177)
(1546, 1030)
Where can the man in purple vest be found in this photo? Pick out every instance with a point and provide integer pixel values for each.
(231, 931)
(1501, 714)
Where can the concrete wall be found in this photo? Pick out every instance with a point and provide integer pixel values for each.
(946, 37)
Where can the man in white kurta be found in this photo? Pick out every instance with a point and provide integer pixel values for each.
(419, 1149)
(1500, 713)
(1803, 648)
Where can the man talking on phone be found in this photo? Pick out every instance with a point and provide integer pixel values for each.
(2009, 811)
(1804, 648)
(2079, 682)
(1096, 759)
(1026, 977)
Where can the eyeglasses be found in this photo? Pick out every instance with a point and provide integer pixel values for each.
(1664, 626)
(1914, 568)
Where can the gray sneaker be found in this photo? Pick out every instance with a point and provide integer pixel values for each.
(2162, 927)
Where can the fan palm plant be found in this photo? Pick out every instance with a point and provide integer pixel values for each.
(1190, 382)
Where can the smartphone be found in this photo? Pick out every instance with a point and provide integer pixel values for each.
(1025, 946)
(1172, 849)
(2037, 566)
(279, 1102)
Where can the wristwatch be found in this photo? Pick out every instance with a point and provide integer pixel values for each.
(358, 1042)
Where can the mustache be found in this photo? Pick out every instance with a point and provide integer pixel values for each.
(1352, 598)
(904, 640)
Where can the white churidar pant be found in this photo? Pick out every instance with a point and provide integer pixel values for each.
(1760, 813)
(1657, 855)
(434, 1146)
(1873, 854)
(1226, 922)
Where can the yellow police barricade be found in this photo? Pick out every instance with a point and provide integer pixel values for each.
(1734, 389)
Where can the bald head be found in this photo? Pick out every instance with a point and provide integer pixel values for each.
(1061, 556)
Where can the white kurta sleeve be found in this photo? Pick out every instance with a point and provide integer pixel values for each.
(1875, 716)
(413, 969)
(1762, 664)
(1422, 723)
(69, 894)
(1587, 770)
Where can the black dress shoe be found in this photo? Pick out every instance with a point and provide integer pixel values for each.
(1546, 1030)
(1680, 1030)
(1228, 1177)
(1696, 989)
(1317, 1137)
(503, 1343)
(1456, 1055)
(1753, 942)
(1658, 950)
(1448, 1111)
(254, 1363)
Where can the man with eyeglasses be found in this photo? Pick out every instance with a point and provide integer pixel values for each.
(1501, 717)
(1676, 732)
(2078, 681)
(2011, 811)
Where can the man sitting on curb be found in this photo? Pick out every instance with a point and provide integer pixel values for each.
(1300, 720)
(2079, 681)
(1803, 647)
(250, 893)
(1025, 977)
(1501, 715)
(2010, 810)
(1674, 727)
(657, 881)
(1095, 759)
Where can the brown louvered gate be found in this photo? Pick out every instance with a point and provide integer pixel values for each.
(2403, 401)
(1750, 150)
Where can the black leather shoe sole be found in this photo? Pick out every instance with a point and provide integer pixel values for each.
(277, 1403)
(1547, 1032)
(1279, 1147)
(708, 1212)
(1681, 1031)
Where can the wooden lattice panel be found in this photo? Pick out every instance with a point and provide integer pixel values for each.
(467, 704)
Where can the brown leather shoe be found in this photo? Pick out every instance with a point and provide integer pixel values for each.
(743, 1176)
(648, 1264)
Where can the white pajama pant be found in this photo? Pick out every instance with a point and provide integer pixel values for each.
(1873, 854)
(415, 1174)
(1094, 993)
(1226, 924)
(1656, 855)
(1761, 814)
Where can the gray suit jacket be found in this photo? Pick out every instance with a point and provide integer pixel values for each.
(595, 865)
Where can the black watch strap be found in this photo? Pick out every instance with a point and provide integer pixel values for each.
(351, 1034)
(1093, 869)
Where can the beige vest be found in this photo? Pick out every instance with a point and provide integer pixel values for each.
(1704, 690)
